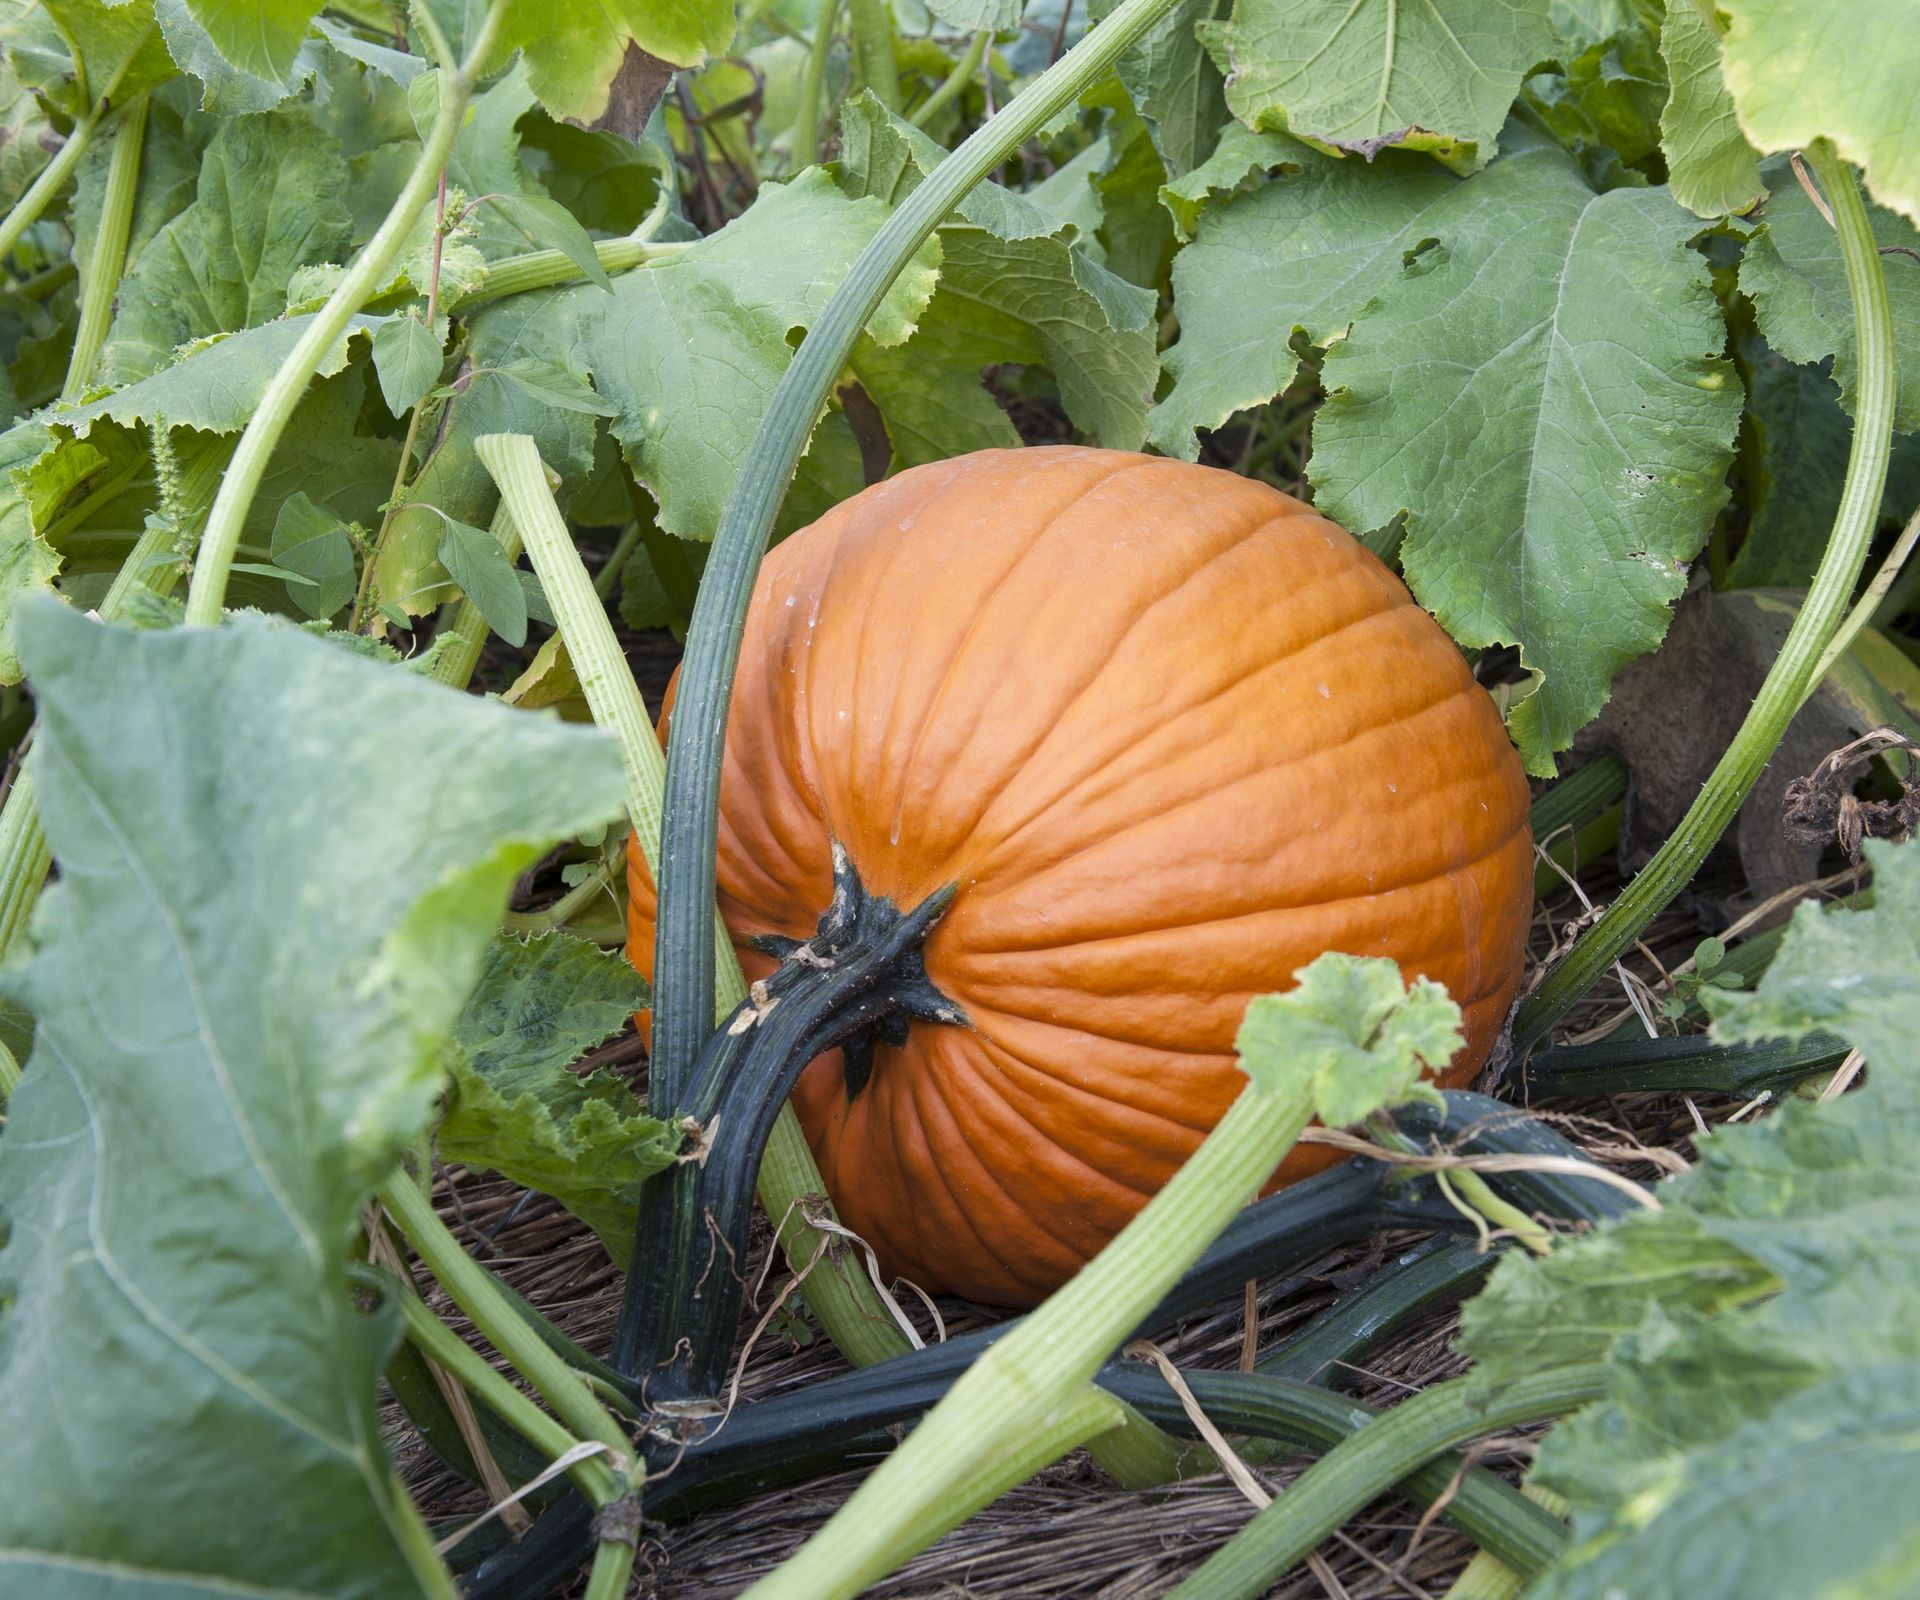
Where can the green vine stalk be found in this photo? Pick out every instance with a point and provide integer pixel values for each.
(684, 990)
(1371, 1462)
(1793, 672)
(370, 269)
(838, 1289)
(108, 263)
(1031, 1386)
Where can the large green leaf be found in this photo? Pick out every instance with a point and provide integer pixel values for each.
(1842, 72)
(245, 980)
(1793, 273)
(258, 36)
(271, 199)
(1710, 166)
(1363, 75)
(227, 87)
(1015, 286)
(1174, 83)
(515, 1108)
(117, 49)
(1542, 399)
(1296, 259)
(1761, 1331)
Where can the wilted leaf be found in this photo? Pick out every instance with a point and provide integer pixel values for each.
(245, 980)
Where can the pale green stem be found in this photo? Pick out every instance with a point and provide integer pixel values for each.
(838, 1290)
(565, 908)
(441, 1345)
(1138, 1454)
(544, 269)
(1863, 609)
(1035, 1378)
(1794, 670)
(609, 578)
(872, 25)
(559, 1384)
(107, 265)
(53, 178)
(813, 87)
(329, 325)
(954, 82)
(416, 1543)
(9, 1076)
(1487, 1577)
(612, 1566)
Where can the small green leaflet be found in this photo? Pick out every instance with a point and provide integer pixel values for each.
(1354, 1032)
(1793, 272)
(245, 980)
(309, 541)
(549, 225)
(407, 359)
(1710, 166)
(474, 560)
(258, 36)
(1543, 399)
(1842, 72)
(1364, 75)
(515, 1107)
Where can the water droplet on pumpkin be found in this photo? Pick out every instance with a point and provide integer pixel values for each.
(1393, 788)
(1325, 692)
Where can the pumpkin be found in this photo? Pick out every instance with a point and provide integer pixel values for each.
(1173, 734)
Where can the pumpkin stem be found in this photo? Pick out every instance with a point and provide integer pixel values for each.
(861, 977)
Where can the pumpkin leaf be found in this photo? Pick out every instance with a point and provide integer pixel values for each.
(1015, 285)
(1854, 973)
(1543, 399)
(227, 87)
(1363, 76)
(572, 68)
(1711, 168)
(1353, 1030)
(689, 349)
(1793, 273)
(1174, 83)
(1799, 73)
(27, 561)
(271, 198)
(187, 1155)
(514, 1107)
(257, 36)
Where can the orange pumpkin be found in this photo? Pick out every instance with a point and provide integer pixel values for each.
(1174, 735)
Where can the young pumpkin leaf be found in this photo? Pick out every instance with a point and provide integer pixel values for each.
(474, 560)
(245, 981)
(1711, 168)
(515, 1108)
(1354, 1029)
(1362, 76)
(1793, 273)
(407, 359)
(1846, 73)
(1545, 403)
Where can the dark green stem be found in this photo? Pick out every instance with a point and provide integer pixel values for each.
(1793, 671)
(860, 975)
(1372, 1461)
(684, 968)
